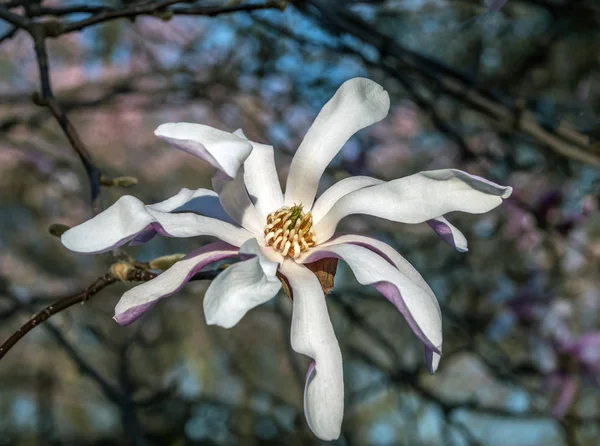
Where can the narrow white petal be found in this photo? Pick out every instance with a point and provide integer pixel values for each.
(340, 189)
(225, 151)
(393, 276)
(142, 298)
(432, 358)
(312, 335)
(260, 177)
(200, 201)
(128, 217)
(416, 198)
(357, 104)
(241, 287)
(235, 200)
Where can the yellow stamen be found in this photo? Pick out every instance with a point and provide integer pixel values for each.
(289, 231)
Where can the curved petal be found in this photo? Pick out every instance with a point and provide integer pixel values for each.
(389, 254)
(142, 298)
(225, 151)
(416, 198)
(260, 177)
(357, 104)
(128, 217)
(449, 233)
(200, 201)
(241, 287)
(262, 182)
(398, 284)
(235, 200)
(432, 358)
(312, 335)
(343, 187)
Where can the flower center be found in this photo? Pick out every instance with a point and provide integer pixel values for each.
(289, 231)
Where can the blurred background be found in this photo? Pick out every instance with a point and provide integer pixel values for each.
(512, 95)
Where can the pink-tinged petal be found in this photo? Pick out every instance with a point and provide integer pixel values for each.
(416, 199)
(140, 299)
(343, 187)
(235, 200)
(432, 359)
(225, 151)
(389, 254)
(393, 277)
(241, 287)
(200, 201)
(449, 233)
(129, 217)
(262, 182)
(357, 104)
(312, 335)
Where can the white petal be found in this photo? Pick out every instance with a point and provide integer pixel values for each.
(337, 191)
(240, 133)
(395, 280)
(416, 198)
(241, 287)
(389, 254)
(235, 200)
(312, 335)
(357, 104)
(219, 180)
(142, 298)
(449, 233)
(262, 183)
(128, 217)
(199, 201)
(225, 151)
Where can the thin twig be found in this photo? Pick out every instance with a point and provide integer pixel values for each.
(133, 275)
(47, 98)
(61, 28)
(66, 302)
(14, 19)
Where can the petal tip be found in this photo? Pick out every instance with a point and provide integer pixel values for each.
(69, 241)
(118, 318)
(162, 129)
(507, 193)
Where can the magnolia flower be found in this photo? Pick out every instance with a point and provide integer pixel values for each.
(277, 234)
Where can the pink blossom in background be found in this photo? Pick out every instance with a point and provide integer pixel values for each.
(406, 121)
(521, 227)
(388, 160)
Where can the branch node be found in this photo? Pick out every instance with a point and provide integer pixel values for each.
(125, 182)
(121, 270)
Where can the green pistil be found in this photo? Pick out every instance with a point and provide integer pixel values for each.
(296, 214)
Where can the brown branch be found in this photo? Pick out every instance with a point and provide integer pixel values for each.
(120, 271)
(14, 19)
(451, 82)
(135, 275)
(58, 28)
(38, 34)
